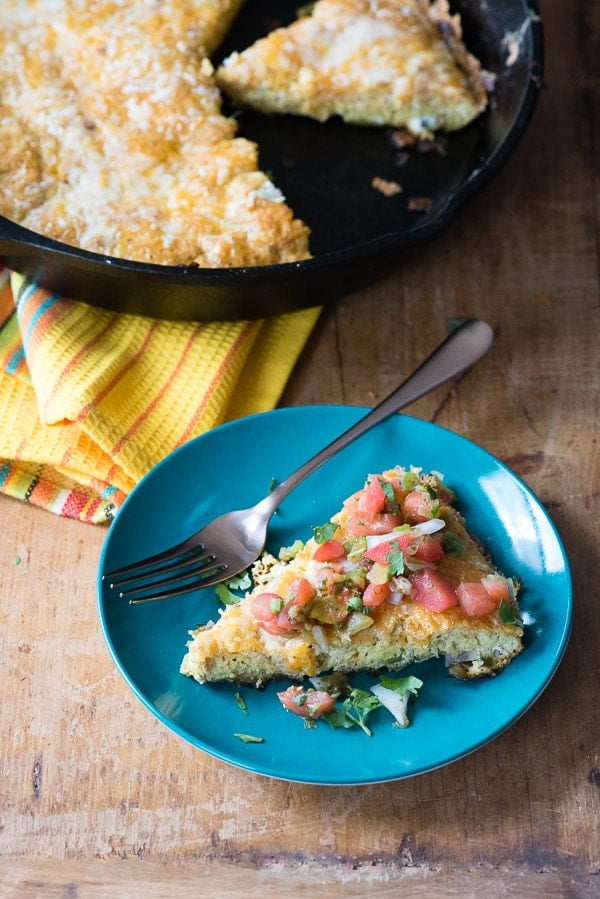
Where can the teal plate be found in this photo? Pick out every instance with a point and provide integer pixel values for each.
(233, 467)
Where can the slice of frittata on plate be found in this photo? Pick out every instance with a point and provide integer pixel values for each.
(393, 578)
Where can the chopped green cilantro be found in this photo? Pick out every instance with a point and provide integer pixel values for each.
(248, 738)
(389, 495)
(241, 581)
(241, 703)
(402, 685)
(354, 710)
(17, 560)
(225, 593)
(355, 603)
(325, 532)
(451, 544)
(506, 613)
(396, 562)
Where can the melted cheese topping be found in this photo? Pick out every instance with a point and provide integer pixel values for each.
(371, 61)
(112, 138)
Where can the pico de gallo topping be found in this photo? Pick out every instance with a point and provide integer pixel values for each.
(340, 704)
(385, 547)
(307, 703)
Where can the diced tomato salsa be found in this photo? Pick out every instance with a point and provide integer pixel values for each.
(330, 551)
(306, 703)
(474, 599)
(403, 557)
(432, 592)
(281, 616)
(375, 594)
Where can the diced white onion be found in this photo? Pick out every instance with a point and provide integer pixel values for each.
(400, 585)
(310, 572)
(320, 637)
(428, 527)
(346, 565)
(395, 703)
(356, 623)
(467, 656)
(376, 539)
(418, 530)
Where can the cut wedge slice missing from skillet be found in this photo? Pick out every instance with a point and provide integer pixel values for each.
(373, 62)
(391, 579)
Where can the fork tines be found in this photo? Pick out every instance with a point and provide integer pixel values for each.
(181, 571)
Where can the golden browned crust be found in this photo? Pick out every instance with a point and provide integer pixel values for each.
(372, 62)
(115, 142)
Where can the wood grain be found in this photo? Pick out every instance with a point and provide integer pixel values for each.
(98, 798)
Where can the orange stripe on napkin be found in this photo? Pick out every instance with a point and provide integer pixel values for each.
(159, 395)
(119, 374)
(201, 408)
(37, 311)
(90, 399)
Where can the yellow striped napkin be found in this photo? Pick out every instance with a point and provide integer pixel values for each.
(91, 400)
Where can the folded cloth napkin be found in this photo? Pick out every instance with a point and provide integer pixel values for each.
(90, 399)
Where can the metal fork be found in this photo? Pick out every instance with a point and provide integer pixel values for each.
(230, 543)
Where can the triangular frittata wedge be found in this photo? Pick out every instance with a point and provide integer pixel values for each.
(400, 63)
(392, 579)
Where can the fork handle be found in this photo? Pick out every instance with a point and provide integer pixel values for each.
(463, 347)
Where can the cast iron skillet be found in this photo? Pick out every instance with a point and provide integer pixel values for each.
(325, 171)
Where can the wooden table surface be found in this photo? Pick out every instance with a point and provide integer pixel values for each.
(98, 798)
